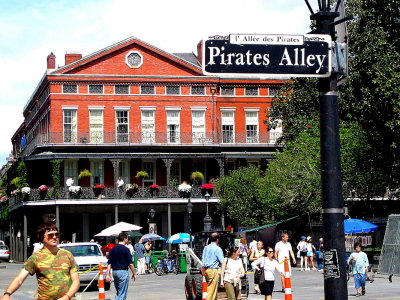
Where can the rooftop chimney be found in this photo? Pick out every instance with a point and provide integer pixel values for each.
(51, 61)
(200, 52)
(71, 57)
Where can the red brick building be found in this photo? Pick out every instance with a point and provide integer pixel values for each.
(133, 107)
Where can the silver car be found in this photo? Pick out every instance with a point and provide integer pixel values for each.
(4, 253)
(88, 256)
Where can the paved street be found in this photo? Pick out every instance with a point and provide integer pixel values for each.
(306, 285)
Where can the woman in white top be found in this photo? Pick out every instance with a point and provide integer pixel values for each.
(269, 264)
(255, 254)
(302, 248)
(310, 253)
(231, 272)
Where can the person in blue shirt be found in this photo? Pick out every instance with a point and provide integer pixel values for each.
(360, 264)
(212, 259)
(139, 252)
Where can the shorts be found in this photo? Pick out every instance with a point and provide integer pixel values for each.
(147, 259)
(267, 287)
(310, 253)
(359, 280)
(303, 253)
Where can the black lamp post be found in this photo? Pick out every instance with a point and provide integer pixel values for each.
(189, 209)
(207, 219)
(152, 225)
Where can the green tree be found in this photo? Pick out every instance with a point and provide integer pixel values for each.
(239, 196)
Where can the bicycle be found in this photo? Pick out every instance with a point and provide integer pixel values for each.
(166, 265)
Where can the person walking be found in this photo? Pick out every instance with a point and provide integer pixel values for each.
(120, 259)
(302, 248)
(244, 252)
(310, 254)
(359, 262)
(253, 245)
(231, 273)
(283, 250)
(255, 254)
(319, 254)
(141, 261)
(147, 256)
(55, 269)
(268, 264)
(212, 259)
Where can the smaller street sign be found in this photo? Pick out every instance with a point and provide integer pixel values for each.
(267, 55)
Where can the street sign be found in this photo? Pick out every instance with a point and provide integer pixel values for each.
(267, 55)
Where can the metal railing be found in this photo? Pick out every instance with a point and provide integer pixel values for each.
(106, 193)
(155, 138)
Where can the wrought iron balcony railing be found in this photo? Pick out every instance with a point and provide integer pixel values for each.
(107, 193)
(152, 138)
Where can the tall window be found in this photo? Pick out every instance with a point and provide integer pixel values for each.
(71, 170)
(173, 122)
(148, 126)
(198, 126)
(97, 170)
(228, 122)
(123, 171)
(70, 126)
(251, 126)
(96, 126)
(275, 133)
(148, 166)
(175, 171)
(122, 126)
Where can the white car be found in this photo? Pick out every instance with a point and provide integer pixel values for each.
(4, 253)
(88, 256)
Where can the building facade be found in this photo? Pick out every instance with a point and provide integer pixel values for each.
(127, 108)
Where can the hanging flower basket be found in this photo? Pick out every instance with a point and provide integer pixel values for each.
(75, 191)
(154, 189)
(98, 190)
(131, 189)
(207, 187)
(184, 190)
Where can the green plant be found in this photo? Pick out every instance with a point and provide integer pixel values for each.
(55, 175)
(197, 176)
(15, 181)
(141, 174)
(22, 174)
(85, 173)
(173, 182)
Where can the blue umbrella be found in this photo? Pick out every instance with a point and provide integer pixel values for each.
(358, 226)
(152, 237)
(179, 238)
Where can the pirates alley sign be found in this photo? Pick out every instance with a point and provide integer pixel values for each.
(267, 55)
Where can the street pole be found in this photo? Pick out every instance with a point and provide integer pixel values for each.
(335, 281)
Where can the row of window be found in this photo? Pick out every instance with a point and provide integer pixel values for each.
(169, 90)
(148, 125)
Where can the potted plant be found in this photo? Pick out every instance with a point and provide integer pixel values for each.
(184, 189)
(98, 190)
(75, 191)
(131, 188)
(197, 176)
(154, 189)
(207, 187)
(43, 191)
(85, 173)
(142, 174)
(26, 191)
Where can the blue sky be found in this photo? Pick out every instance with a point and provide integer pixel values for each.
(30, 30)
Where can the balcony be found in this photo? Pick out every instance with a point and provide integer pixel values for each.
(148, 139)
(108, 193)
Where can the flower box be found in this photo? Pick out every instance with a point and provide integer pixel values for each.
(75, 191)
(154, 189)
(184, 190)
(207, 187)
(98, 190)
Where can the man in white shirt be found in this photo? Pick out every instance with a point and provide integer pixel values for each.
(253, 245)
(68, 184)
(120, 185)
(283, 249)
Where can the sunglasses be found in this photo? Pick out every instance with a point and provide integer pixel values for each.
(270, 251)
(53, 234)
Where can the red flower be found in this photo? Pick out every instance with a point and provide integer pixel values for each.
(99, 186)
(154, 186)
(207, 186)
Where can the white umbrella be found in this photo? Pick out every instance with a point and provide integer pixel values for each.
(179, 238)
(116, 229)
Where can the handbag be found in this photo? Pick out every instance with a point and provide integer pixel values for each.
(262, 275)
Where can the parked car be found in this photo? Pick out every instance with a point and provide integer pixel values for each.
(88, 256)
(4, 253)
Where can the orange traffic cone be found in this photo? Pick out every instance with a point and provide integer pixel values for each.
(102, 294)
(288, 284)
(204, 286)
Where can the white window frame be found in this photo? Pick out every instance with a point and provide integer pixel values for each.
(147, 180)
(252, 139)
(148, 134)
(74, 125)
(71, 170)
(226, 122)
(124, 171)
(94, 137)
(171, 120)
(198, 136)
(121, 137)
